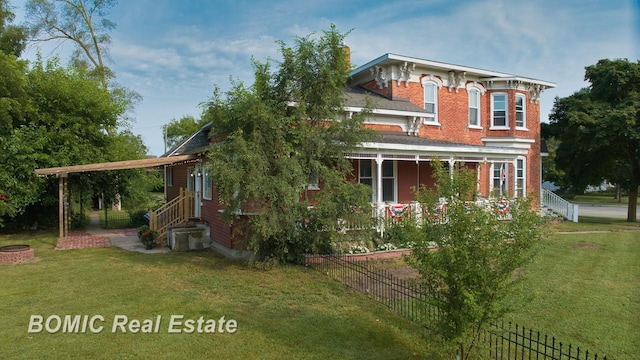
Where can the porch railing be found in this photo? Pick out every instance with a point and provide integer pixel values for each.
(559, 205)
(386, 215)
(177, 211)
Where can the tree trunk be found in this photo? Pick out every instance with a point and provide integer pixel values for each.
(633, 204)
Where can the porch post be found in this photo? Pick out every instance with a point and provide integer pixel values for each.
(452, 162)
(379, 178)
(380, 214)
(62, 206)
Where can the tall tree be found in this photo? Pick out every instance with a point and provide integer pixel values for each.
(277, 138)
(14, 100)
(598, 129)
(477, 252)
(83, 22)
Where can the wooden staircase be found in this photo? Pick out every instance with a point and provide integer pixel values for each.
(178, 211)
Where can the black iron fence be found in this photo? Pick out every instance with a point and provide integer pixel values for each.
(505, 341)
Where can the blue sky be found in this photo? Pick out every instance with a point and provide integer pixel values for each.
(174, 52)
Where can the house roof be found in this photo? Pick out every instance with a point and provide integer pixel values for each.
(486, 75)
(193, 144)
(115, 165)
(356, 99)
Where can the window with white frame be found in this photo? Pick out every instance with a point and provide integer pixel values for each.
(368, 173)
(520, 177)
(314, 181)
(168, 176)
(499, 115)
(207, 185)
(474, 108)
(388, 181)
(191, 181)
(521, 111)
(365, 174)
(431, 101)
(499, 184)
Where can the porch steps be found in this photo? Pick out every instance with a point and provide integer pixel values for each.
(178, 211)
(554, 204)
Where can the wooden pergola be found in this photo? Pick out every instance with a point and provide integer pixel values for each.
(63, 172)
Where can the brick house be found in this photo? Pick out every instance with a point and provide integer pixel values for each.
(423, 110)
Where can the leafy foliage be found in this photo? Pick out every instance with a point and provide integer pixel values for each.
(598, 129)
(477, 253)
(276, 138)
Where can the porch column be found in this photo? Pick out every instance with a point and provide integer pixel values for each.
(379, 178)
(452, 163)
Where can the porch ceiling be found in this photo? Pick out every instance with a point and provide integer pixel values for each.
(115, 165)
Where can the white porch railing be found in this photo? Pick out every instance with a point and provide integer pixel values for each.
(559, 205)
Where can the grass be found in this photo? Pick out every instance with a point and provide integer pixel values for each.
(287, 312)
(600, 198)
(584, 288)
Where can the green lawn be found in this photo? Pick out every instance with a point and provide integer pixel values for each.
(285, 313)
(584, 288)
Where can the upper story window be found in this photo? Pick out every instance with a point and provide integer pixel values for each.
(474, 108)
(431, 101)
(499, 114)
(521, 111)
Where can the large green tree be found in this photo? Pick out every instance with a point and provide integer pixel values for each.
(63, 121)
(280, 139)
(476, 254)
(598, 129)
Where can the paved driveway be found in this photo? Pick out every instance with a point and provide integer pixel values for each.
(609, 211)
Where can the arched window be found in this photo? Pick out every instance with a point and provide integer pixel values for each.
(474, 108)
(431, 99)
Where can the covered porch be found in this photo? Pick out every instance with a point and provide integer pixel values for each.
(397, 164)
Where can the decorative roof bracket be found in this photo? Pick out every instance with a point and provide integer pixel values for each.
(405, 73)
(380, 76)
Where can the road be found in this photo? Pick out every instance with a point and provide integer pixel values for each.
(608, 211)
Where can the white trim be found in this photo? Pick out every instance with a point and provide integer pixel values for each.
(509, 142)
(510, 152)
(355, 109)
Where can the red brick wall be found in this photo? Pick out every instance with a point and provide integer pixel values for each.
(17, 257)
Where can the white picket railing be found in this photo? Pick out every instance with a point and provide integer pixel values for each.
(559, 205)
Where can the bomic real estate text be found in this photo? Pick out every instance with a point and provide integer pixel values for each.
(95, 324)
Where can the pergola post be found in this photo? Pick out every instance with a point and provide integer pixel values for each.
(63, 223)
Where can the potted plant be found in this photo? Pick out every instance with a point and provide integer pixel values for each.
(147, 236)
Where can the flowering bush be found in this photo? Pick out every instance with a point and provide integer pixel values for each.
(358, 249)
(385, 247)
(147, 236)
